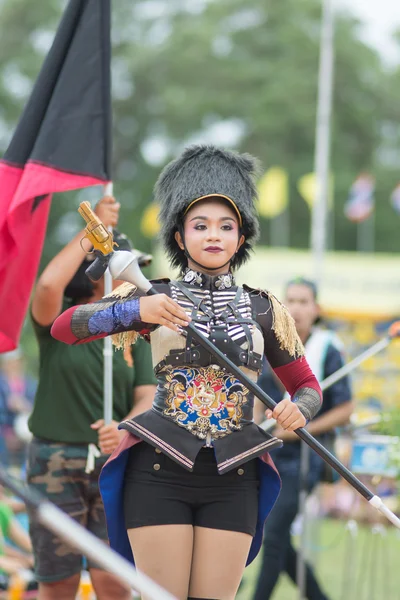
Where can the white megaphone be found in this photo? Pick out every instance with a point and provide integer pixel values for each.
(124, 266)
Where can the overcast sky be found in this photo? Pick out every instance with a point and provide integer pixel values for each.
(381, 17)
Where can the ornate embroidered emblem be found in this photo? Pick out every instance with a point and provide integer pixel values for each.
(224, 282)
(192, 277)
(205, 400)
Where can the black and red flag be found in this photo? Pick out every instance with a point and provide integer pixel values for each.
(62, 142)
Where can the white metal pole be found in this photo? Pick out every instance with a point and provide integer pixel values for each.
(70, 531)
(318, 228)
(107, 349)
(347, 368)
(322, 140)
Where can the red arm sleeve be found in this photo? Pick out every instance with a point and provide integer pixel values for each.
(296, 375)
(61, 329)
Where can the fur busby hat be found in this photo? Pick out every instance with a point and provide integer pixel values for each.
(203, 171)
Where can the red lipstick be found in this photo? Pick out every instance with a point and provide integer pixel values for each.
(214, 249)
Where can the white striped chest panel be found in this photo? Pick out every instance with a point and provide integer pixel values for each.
(224, 316)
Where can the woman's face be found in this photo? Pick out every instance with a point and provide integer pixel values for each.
(211, 231)
(300, 302)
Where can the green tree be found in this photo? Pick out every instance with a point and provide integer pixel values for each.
(251, 65)
(237, 72)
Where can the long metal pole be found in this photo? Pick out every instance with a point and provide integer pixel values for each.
(322, 140)
(318, 229)
(57, 521)
(393, 332)
(107, 349)
(353, 364)
(124, 266)
(302, 433)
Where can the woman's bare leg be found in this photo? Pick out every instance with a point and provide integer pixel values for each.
(219, 559)
(108, 587)
(65, 589)
(164, 553)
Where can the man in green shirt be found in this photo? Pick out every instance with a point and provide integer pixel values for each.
(69, 397)
(64, 462)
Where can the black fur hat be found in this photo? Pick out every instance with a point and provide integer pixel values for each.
(200, 172)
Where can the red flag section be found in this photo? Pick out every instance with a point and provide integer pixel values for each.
(62, 142)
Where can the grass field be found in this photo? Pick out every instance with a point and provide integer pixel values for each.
(366, 567)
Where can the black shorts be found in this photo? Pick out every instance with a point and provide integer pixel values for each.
(158, 491)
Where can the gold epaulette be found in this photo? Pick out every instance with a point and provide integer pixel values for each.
(283, 324)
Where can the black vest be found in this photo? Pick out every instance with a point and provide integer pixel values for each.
(197, 402)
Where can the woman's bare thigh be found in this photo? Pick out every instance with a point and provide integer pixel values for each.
(219, 559)
(164, 553)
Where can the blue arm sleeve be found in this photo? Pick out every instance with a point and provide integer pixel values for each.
(114, 317)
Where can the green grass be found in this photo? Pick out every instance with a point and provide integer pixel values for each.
(367, 569)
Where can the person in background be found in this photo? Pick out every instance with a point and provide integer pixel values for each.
(324, 355)
(190, 486)
(15, 546)
(64, 461)
(17, 391)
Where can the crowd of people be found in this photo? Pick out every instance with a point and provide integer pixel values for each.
(184, 466)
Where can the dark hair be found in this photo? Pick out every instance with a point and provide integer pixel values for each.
(303, 281)
(80, 285)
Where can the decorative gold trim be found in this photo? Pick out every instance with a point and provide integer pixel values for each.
(285, 329)
(238, 457)
(125, 339)
(167, 447)
(122, 291)
(217, 196)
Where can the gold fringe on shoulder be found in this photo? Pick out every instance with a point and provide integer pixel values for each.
(284, 327)
(124, 340)
(122, 291)
(128, 357)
